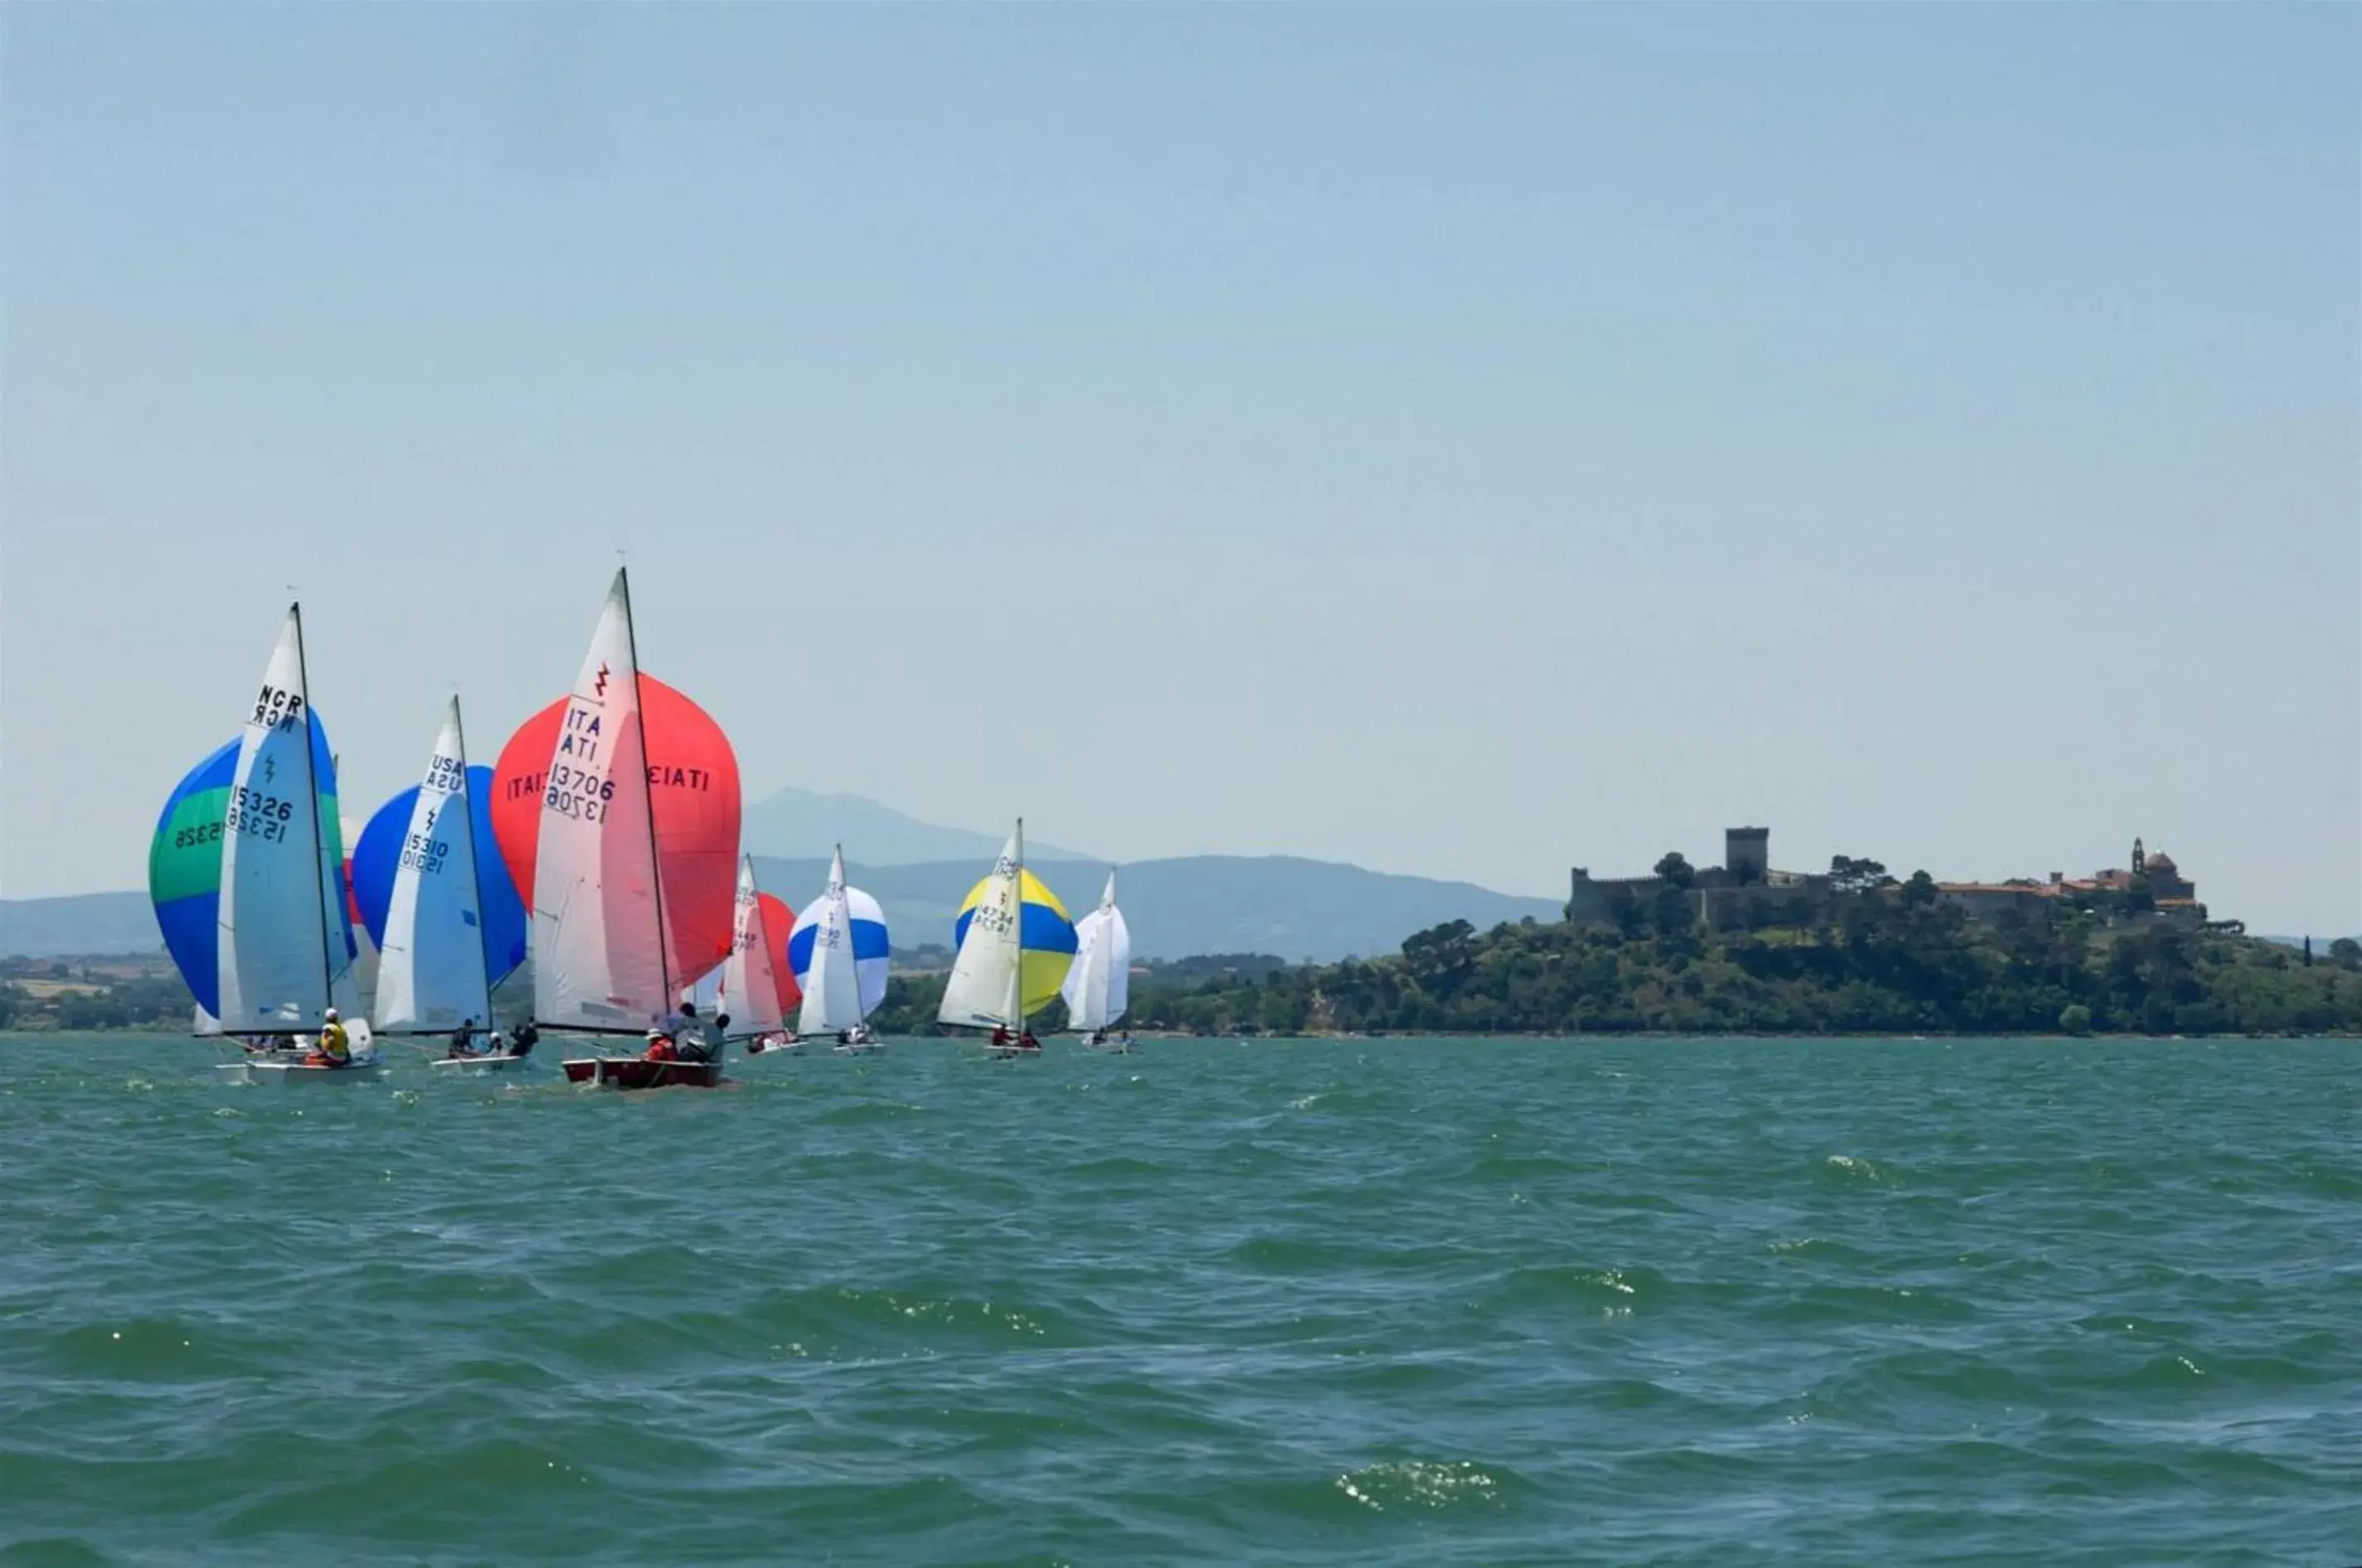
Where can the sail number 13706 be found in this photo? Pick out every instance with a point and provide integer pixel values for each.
(573, 792)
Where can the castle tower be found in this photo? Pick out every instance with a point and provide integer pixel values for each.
(2140, 859)
(1746, 854)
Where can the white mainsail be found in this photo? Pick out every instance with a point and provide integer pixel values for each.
(750, 975)
(281, 958)
(985, 988)
(833, 1001)
(431, 973)
(1098, 987)
(602, 958)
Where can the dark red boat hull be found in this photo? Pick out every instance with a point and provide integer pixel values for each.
(638, 1071)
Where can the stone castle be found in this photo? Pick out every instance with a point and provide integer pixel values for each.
(1745, 891)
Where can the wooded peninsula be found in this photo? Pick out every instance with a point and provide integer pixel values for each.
(1881, 956)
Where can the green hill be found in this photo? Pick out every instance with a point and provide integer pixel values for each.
(1893, 961)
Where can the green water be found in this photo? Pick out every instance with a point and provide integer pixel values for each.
(1302, 1302)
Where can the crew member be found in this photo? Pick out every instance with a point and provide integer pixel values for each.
(334, 1047)
(463, 1039)
(709, 1040)
(527, 1037)
(660, 1046)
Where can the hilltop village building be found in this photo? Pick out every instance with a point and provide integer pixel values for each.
(1746, 892)
(2176, 895)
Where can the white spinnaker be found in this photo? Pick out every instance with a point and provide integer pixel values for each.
(750, 975)
(600, 953)
(984, 990)
(832, 1001)
(1098, 986)
(431, 970)
(281, 958)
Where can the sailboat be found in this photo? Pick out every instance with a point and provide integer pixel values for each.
(435, 964)
(750, 992)
(827, 947)
(1098, 986)
(283, 951)
(1015, 947)
(602, 945)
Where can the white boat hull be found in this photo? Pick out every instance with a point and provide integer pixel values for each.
(268, 1071)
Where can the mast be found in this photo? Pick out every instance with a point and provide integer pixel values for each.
(475, 862)
(1106, 942)
(655, 861)
(312, 815)
(1017, 896)
(844, 911)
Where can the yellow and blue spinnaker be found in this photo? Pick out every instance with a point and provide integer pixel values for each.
(1045, 936)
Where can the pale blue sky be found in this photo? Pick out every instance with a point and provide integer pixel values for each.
(1460, 440)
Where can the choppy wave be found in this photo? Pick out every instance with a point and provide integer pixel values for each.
(1362, 1302)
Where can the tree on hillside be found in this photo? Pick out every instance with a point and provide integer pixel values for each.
(1624, 911)
(1675, 870)
(1440, 958)
(1847, 874)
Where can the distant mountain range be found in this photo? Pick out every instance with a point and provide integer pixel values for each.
(85, 923)
(1203, 904)
(797, 825)
(919, 872)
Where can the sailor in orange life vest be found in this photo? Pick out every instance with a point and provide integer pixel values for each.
(660, 1046)
(332, 1049)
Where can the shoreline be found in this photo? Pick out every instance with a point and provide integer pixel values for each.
(1416, 1037)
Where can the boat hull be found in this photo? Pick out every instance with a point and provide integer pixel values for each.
(292, 1075)
(639, 1073)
